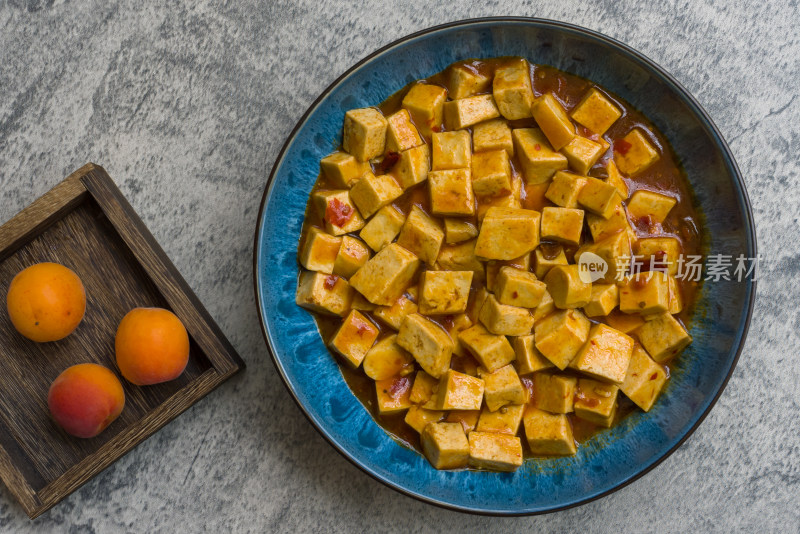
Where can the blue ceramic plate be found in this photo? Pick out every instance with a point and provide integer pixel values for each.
(612, 458)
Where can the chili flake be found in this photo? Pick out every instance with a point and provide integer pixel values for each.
(338, 213)
(622, 146)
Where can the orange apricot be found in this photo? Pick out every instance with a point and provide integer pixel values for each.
(46, 302)
(152, 346)
(85, 399)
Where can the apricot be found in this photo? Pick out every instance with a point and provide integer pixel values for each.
(152, 346)
(46, 302)
(85, 399)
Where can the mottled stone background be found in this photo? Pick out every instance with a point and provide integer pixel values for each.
(187, 104)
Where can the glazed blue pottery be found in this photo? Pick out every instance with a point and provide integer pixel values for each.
(611, 458)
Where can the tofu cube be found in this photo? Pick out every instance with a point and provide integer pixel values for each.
(615, 179)
(624, 322)
(554, 392)
(516, 287)
(423, 391)
(445, 445)
(598, 197)
(537, 158)
(567, 287)
(465, 112)
(534, 196)
(659, 252)
(545, 257)
(493, 269)
(650, 204)
(495, 452)
(319, 251)
(663, 337)
(492, 351)
(553, 121)
(503, 387)
(564, 225)
(371, 193)
(422, 235)
(444, 292)
(596, 112)
(477, 298)
(324, 293)
(545, 308)
(427, 342)
(451, 150)
(401, 134)
(462, 361)
(508, 233)
(560, 336)
(506, 420)
(381, 229)
(413, 166)
(605, 297)
(523, 262)
(455, 324)
(425, 103)
(354, 338)
(395, 314)
(615, 250)
(502, 319)
(457, 231)
(343, 169)
(364, 133)
(392, 395)
(387, 359)
(492, 135)
(645, 294)
(361, 304)
(634, 153)
(596, 402)
(529, 359)
(644, 380)
(491, 173)
(512, 90)
(461, 257)
(338, 211)
(617, 221)
(605, 355)
(583, 153)
(386, 275)
(451, 192)
(459, 391)
(468, 419)
(548, 434)
(466, 80)
(565, 189)
(418, 418)
(510, 200)
(352, 255)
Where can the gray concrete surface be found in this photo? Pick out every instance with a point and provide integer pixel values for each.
(187, 104)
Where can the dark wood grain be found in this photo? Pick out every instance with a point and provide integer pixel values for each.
(86, 224)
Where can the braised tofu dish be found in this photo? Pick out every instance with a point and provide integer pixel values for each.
(493, 257)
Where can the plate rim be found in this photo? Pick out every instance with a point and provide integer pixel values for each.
(698, 109)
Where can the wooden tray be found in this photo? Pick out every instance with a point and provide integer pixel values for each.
(86, 224)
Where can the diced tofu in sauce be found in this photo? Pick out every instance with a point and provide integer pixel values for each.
(461, 300)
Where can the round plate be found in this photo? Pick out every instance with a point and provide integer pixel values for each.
(612, 458)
